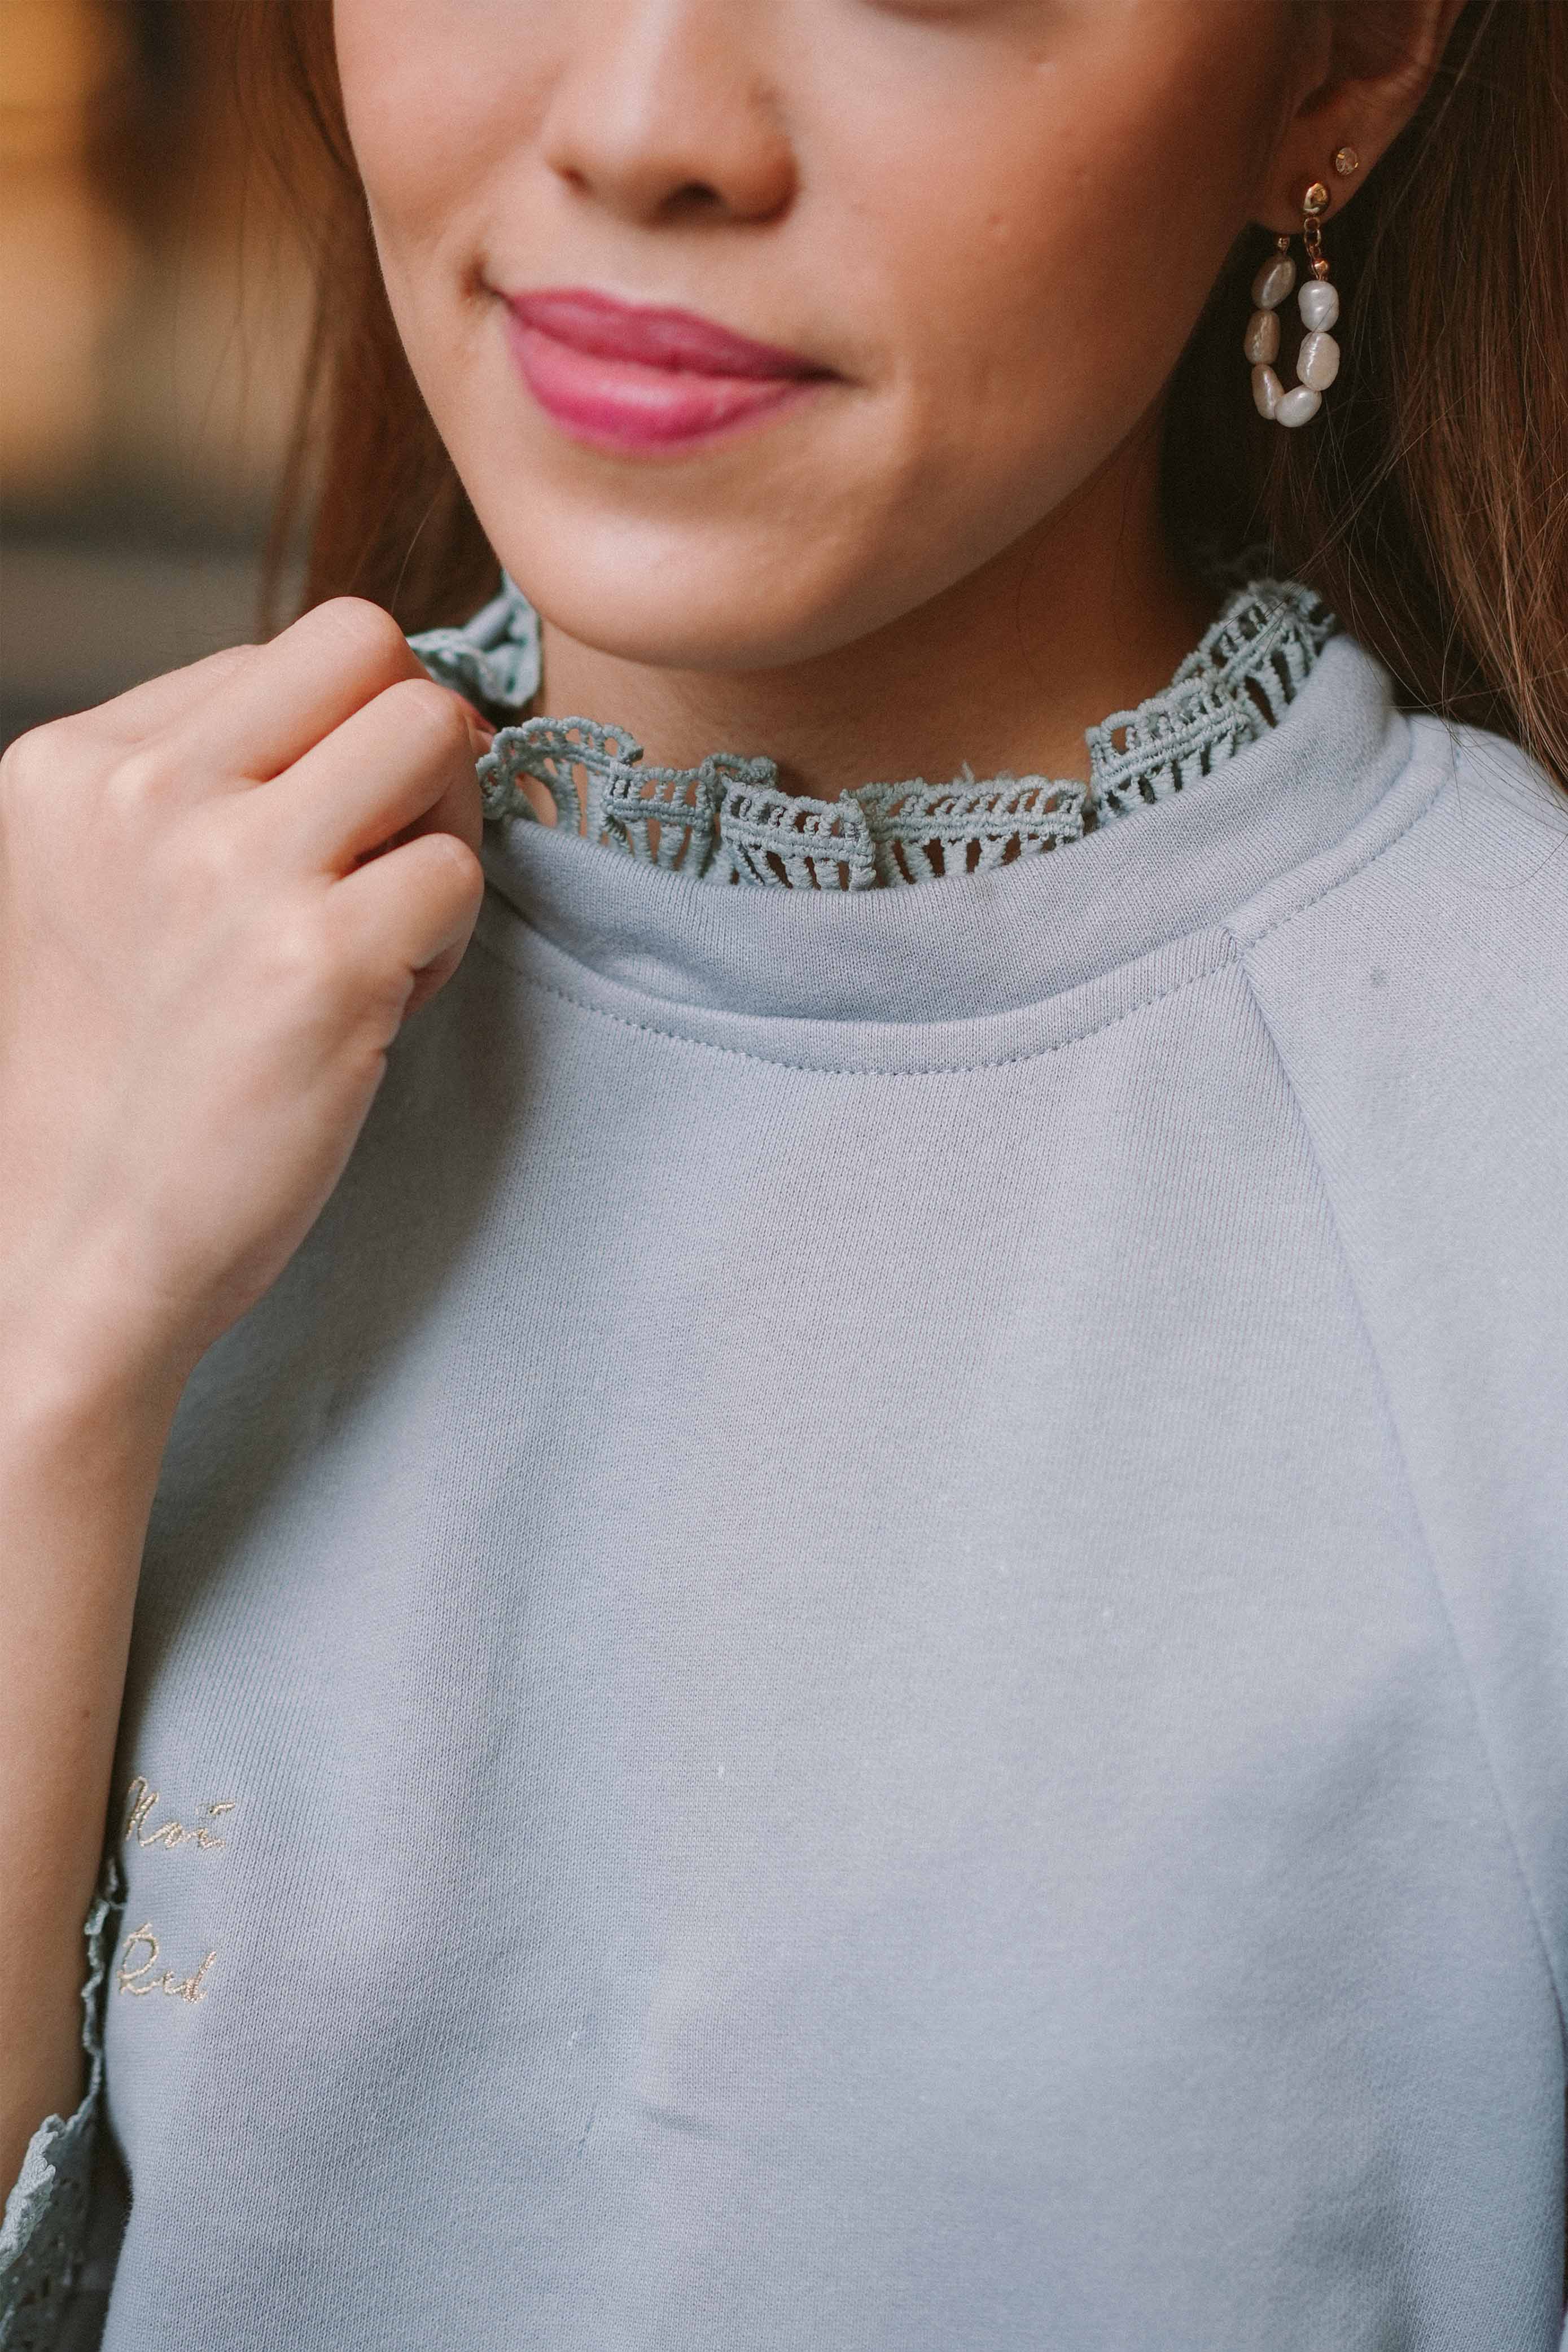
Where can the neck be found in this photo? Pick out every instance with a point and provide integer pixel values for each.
(1085, 615)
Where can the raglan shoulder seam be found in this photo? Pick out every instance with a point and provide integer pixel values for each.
(1391, 1412)
(1246, 938)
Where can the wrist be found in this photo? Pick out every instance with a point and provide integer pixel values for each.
(76, 1360)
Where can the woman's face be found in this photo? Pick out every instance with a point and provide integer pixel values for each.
(971, 236)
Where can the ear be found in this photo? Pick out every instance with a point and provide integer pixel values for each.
(1383, 54)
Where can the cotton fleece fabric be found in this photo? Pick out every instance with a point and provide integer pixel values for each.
(875, 1640)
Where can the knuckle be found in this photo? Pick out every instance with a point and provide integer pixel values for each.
(47, 756)
(457, 867)
(438, 862)
(209, 869)
(138, 781)
(323, 975)
(230, 661)
(25, 762)
(433, 715)
(366, 636)
(300, 966)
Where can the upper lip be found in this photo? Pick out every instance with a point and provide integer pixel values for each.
(654, 335)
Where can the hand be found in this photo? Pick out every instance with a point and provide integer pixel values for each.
(220, 895)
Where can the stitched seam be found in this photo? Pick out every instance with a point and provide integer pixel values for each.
(1505, 1814)
(1239, 944)
(856, 1070)
(1305, 905)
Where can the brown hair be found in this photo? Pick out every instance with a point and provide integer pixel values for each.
(1428, 504)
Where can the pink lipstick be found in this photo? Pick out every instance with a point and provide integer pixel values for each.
(632, 377)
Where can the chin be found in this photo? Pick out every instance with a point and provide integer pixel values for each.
(772, 547)
(671, 606)
(731, 596)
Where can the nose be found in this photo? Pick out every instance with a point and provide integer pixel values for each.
(666, 109)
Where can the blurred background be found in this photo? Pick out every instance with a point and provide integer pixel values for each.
(154, 309)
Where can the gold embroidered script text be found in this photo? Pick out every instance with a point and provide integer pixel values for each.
(144, 1977)
(141, 1802)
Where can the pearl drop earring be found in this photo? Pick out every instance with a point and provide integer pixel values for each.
(1318, 361)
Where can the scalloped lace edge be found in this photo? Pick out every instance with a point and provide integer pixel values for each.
(729, 821)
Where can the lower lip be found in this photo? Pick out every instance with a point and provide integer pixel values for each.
(615, 404)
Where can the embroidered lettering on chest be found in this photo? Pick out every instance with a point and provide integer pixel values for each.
(139, 1971)
(141, 1802)
(142, 1974)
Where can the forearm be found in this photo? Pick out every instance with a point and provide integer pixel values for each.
(81, 1445)
(198, 985)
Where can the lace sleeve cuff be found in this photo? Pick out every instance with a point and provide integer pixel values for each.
(45, 2224)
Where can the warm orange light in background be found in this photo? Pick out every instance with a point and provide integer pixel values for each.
(67, 262)
(153, 306)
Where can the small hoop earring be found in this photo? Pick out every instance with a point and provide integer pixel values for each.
(1318, 361)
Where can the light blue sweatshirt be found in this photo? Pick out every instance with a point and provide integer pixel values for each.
(871, 1652)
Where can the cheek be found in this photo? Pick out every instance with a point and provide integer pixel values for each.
(1041, 282)
(410, 103)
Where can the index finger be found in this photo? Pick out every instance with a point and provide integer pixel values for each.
(163, 701)
(292, 694)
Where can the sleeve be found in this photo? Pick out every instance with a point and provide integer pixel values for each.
(1419, 1004)
(45, 2228)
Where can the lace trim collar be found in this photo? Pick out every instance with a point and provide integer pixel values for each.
(728, 821)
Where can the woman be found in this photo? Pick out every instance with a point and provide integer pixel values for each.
(855, 1638)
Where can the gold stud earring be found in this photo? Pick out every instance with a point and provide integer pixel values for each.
(1318, 361)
